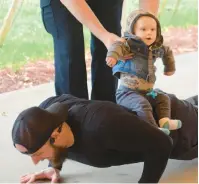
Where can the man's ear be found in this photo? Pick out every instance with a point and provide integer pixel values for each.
(54, 136)
(52, 140)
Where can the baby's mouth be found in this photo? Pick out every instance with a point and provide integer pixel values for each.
(148, 38)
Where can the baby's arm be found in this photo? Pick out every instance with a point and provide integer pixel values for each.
(168, 61)
(116, 51)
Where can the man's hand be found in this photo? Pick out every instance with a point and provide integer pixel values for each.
(49, 173)
(169, 73)
(110, 38)
(111, 62)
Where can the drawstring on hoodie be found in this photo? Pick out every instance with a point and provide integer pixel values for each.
(150, 66)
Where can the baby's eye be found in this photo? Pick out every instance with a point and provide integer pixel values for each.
(143, 29)
(152, 29)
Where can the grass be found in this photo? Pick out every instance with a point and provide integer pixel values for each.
(185, 15)
(28, 41)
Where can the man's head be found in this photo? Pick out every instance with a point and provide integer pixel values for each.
(146, 26)
(43, 134)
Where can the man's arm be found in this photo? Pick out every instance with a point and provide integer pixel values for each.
(150, 5)
(82, 12)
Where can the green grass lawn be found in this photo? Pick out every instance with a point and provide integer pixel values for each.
(28, 41)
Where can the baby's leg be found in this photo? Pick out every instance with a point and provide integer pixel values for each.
(139, 104)
(163, 111)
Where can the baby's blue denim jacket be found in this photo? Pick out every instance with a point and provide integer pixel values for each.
(143, 58)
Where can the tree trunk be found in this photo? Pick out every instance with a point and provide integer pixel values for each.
(8, 20)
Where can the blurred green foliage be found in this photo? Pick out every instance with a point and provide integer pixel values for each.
(28, 41)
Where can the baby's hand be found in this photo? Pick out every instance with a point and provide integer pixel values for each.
(110, 61)
(169, 73)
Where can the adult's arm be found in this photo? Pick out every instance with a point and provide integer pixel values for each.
(151, 6)
(83, 13)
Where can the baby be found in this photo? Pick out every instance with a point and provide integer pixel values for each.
(143, 45)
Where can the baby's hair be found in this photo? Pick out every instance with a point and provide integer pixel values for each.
(132, 16)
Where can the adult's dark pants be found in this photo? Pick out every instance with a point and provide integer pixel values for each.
(69, 53)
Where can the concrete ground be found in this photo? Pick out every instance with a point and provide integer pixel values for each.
(13, 164)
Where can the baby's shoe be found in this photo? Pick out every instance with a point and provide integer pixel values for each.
(165, 130)
(170, 124)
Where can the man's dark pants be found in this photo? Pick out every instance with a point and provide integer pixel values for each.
(70, 67)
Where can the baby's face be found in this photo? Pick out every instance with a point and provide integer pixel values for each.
(146, 29)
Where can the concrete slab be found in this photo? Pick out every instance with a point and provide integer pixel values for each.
(13, 164)
(184, 82)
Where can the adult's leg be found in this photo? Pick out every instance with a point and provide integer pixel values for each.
(185, 139)
(67, 32)
(103, 83)
(193, 100)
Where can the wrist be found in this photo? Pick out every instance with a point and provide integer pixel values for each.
(56, 169)
(50, 168)
(103, 36)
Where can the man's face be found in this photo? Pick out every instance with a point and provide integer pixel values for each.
(60, 155)
(56, 155)
(146, 29)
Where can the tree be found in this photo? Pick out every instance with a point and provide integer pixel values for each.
(8, 20)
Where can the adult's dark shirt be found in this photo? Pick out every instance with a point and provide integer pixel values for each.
(89, 139)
